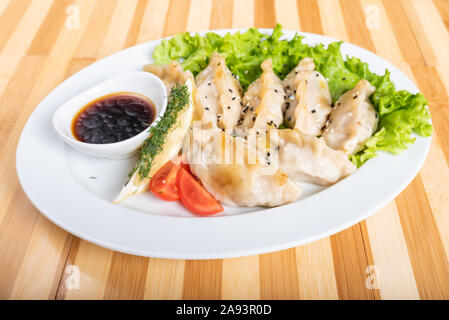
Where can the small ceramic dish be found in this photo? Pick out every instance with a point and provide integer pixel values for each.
(141, 83)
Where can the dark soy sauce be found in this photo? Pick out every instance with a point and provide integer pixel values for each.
(113, 118)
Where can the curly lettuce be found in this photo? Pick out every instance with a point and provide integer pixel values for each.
(401, 113)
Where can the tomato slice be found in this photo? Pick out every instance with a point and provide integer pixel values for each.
(186, 166)
(163, 183)
(194, 196)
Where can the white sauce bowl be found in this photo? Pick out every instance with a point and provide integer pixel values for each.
(141, 83)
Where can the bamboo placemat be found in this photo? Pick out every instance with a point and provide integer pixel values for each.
(399, 252)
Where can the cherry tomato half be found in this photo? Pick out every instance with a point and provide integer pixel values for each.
(163, 183)
(194, 196)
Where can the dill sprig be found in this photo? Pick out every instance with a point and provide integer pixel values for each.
(154, 144)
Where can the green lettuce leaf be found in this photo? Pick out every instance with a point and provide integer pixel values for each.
(401, 113)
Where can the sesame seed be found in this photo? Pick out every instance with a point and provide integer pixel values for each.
(254, 118)
(233, 98)
(355, 97)
(240, 122)
(230, 90)
(275, 90)
(313, 111)
(229, 107)
(209, 84)
(206, 108)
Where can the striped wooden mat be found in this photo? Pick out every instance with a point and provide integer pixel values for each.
(399, 252)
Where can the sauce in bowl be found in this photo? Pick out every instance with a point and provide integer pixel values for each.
(113, 118)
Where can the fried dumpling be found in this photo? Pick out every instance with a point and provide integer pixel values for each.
(307, 158)
(218, 95)
(242, 179)
(262, 101)
(173, 144)
(308, 99)
(170, 74)
(353, 121)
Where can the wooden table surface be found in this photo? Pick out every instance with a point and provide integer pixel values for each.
(401, 252)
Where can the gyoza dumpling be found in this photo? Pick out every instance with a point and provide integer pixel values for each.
(308, 98)
(218, 95)
(353, 121)
(170, 74)
(243, 178)
(307, 158)
(173, 144)
(262, 101)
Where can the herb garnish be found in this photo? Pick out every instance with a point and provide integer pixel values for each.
(154, 144)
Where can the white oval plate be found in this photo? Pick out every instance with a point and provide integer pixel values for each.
(74, 190)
